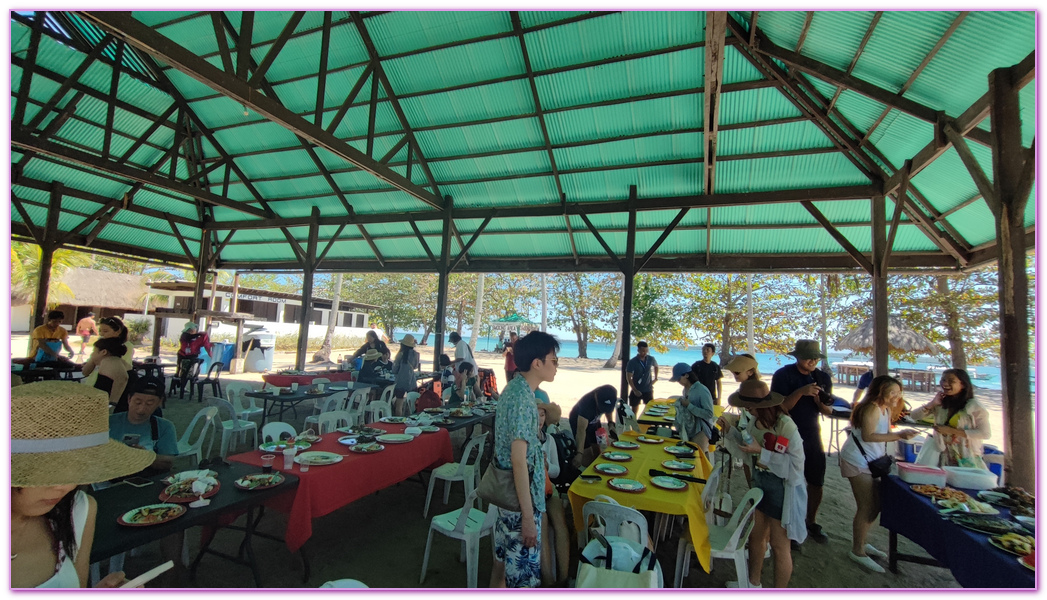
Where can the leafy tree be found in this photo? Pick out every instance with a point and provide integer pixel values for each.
(394, 293)
(587, 304)
(656, 311)
(25, 272)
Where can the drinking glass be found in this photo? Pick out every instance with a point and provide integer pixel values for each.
(267, 463)
(289, 457)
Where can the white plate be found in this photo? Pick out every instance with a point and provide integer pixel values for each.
(348, 440)
(677, 465)
(626, 485)
(617, 456)
(318, 459)
(651, 440)
(988, 510)
(668, 483)
(678, 450)
(359, 448)
(280, 446)
(430, 429)
(610, 469)
(394, 438)
(625, 445)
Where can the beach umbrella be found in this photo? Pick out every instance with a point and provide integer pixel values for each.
(513, 322)
(899, 337)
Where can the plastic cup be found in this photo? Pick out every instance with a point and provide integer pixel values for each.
(289, 457)
(304, 465)
(294, 386)
(267, 462)
(320, 386)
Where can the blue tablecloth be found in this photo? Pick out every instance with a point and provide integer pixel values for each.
(973, 561)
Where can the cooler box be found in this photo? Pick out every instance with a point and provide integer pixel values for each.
(911, 448)
(994, 467)
(910, 473)
(970, 478)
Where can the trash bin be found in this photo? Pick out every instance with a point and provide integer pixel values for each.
(262, 346)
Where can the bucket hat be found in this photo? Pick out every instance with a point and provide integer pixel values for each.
(750, 394)
(806, 350)
(741, 364)
(372, 354)
(60, 436)
(408, 341)
(189, 326)
(553, 412)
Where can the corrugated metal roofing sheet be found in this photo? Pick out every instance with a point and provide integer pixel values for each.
(946, 182)
(458, 65)
(506, 99)
(747, 106)
(405, 31)
(630, 152)
(772, 138)
(522, 163)
(487, 137)
(647, 116)
(669, 180)
(888, 63)
(790, 172)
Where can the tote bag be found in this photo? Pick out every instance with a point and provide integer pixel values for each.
(606, 571)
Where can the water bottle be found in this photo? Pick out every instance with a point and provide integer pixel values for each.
(601, 438)
(747, 437)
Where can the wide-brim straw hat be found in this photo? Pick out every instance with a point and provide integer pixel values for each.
(60, 436)
(750, 395)
(553, 412)
(807, 350)
(372, 354)
(741, 364)
(408, 341)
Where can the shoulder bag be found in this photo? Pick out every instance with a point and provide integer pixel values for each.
(498, 487)
(880, 467)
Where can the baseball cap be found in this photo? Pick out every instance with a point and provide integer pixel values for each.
(679, 370)
(152, 386)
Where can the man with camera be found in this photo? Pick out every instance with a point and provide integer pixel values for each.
(808, 393)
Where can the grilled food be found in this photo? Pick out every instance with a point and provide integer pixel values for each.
(939, 493)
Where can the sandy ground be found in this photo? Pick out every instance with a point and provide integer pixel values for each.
(384, 554)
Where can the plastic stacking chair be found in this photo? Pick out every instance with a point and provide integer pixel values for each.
(465, 471)
(233, 425)
(356, 404)
(467, 524)
(995, 459)
(727, 542)
(613, 516)
(329, 421)
(331, 403)
(319, 402)
(187, 448)
(191, 376)
(234, 393)
(344, 584)
(271, 431)
(382, 407)
(213, 373)
(410, 398)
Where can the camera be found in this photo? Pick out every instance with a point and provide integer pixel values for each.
(825, 398)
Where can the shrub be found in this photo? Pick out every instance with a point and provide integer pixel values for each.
(136, 330)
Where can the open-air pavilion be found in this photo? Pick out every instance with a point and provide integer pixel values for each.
(345, 141)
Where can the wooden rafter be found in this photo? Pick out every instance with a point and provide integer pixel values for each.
(370, 242)
(465, 249)
(330, 243)
(661, 239)
(425, 245)
(857, 53)
(860, 258)
(68, 83)
(804, 31)
(899, 207)
(181, 242)
(599, 238)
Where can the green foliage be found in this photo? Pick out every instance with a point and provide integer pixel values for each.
(587, 304)
(656, 311)
(401, 298)
(289, 342)
(25, 272)
(136, 330)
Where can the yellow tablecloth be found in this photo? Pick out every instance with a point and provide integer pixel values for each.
(650, 456)
(662, 422)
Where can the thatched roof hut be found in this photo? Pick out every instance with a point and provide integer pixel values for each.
(94, 288)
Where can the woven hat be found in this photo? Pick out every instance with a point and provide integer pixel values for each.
(408, 341)
(553, 412)
(372, 354)
(806, 350)
(741, 364)
(752, 393)
(60, 436)
(189, 326)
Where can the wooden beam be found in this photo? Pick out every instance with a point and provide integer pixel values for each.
(307, 291)
(330, 243)
(28, 67)
(803, 32)
(35, 231)
(421, 240)
(102, 223)
(349, 98)
(476, 234)
(599, 238)
(181, 242)
(295, 247)
(392, 151)
(161, 120)
(860, 258)
(658, 243)
(278, 45)
(222, 41)
(628, 278)
(879, 288)
(68, 83)
(715, 31)
(243, 44)
(218, 251)
(985, 187)
(899, 205)
(443, 273)
(321, 73)
(370, 242)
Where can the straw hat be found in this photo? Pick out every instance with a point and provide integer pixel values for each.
(60, 436)
(741, 364)
(408, 341)
(553, 412)
(372, 354)
(752, 393)
(807, 349)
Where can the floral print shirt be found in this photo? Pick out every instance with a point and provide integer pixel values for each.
(516, 418)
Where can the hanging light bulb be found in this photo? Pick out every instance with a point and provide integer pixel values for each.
(245, 110)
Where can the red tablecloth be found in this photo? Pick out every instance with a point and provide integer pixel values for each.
(287, 380)
(325, 489)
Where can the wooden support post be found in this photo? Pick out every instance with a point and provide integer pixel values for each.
(157, 322)
(879, 285)
(212, 305)
(629, 272)
(201, 274)
(238, 351)
(48, 246)
(1008, 164)
(309, 269)
(441, 290)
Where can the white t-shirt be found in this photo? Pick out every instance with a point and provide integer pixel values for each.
(465, 354)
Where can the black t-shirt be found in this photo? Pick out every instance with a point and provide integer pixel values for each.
(787, 380)
(590, 407)
(708, 374)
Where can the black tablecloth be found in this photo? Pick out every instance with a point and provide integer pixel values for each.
(973, 561)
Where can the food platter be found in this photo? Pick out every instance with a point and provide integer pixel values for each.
(650, 440)
(361, 430)
(444, 422)
(318, 459)
(393, 420)
(430, 429)
(1028, 561)
(617, 456)
(677, 465)
(625, 445)
(367, 448)
(259, 481)
(679, 450)
(610, 469)
(938, 493)
(434, 411)
(986, 524)
(622, 484)
(969, 506)
(1014, 543)
(154, 514)
(668, 483)
(462, 413)
(283, 445)
(394, 438)
(182, 492)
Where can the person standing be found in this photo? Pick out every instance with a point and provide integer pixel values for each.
(806, 389)
(643, 373)
(694, 409)
(510, 362)
(85, 328)
(46, 340)
(863, 384)
(189, 345)
(404, 367)
(744, 367)
(585, 421)
(961, 423)
(462, 352)
(517, 545)
(709, 373)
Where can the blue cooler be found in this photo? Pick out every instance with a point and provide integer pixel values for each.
(911, 448)
(995, 468)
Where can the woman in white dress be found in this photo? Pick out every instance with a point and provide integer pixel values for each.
(60, 440)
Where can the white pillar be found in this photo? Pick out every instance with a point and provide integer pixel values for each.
(749, 314)
(545, 305)
(280, 311)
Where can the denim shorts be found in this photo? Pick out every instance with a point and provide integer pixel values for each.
(773, 493)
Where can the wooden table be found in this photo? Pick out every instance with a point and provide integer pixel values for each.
(918, 379)
(850, 373)
(42, 373)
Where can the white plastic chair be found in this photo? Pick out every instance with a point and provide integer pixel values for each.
(187, 448)
(234, 393)
(727, 542)
(271, 431)
(410, 398)
(344, 584)
(996, 459)
(233, 425)
(376, 409)
(329, 421)
(465, 471)
(319, 402)
(331, 403)
(467, 524)
(613, 516)
(356, 404)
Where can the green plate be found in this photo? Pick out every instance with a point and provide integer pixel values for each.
(281, 446)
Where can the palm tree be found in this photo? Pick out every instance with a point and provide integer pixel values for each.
(25, 273)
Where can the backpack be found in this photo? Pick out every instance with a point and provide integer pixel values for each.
(428, 399)
(565, 449)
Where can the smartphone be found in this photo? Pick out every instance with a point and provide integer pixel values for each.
(138, 481)
(131, 439)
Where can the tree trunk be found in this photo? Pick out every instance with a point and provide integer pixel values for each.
(426, 332)
(324, 353)
(824, 325)
(952, 324)
(612, 362)
(583, 342)
(725, 344)
(478, 312)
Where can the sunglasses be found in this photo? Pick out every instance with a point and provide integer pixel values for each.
(556, 361)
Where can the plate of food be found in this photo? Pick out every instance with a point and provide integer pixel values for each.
(318, 458)
(184, 475)
(182, 492)
(462, 412)
(677, 465)
(970, 505)
(610, 469)
(394, 438)
(998, 498)
(433, 411)
(626, 485)
(1015, 497)
(986, 524)
(1026, 522)
(154, 514)
(679, 450)
(309, 436)
(444, 422)
(285, 444)
(393, 420)
(617, 456)
(668, 483)
(363, 430)
(259, 481)
(1015, 543)
(938, 493)
(430, 429)
(1028, 561)
(650, 440)
(367, 448)
(623, 445)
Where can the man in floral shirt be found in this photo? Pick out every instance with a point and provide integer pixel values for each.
(517, 545)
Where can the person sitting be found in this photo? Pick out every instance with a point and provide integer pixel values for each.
(553, 519)
(961, 423)
(47, 339)
(585, 420)
(466, 386)
(189, 345)
(372, 342)
(85, 328)
(110, 373)
(869, 434)
(59, 442)
(446, 373)
(694, 410)
(139, 428)
(369, 370)
(384, 367)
